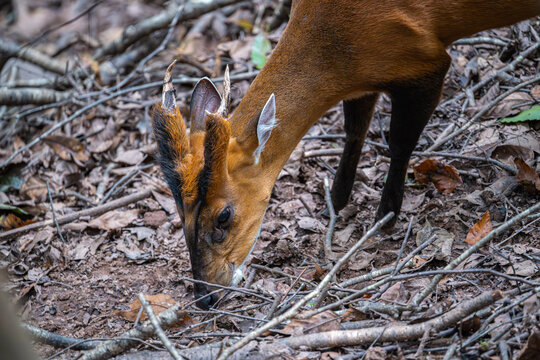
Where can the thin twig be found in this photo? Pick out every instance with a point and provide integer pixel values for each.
(181, 80)
(330, 232)
(510, 67)
(337, 152)
(114, 347)
(394, 333)
(134, 33)
(230, 288)
(296, 307)
(57, 27)
(56, 340)
(401, 249)
(373, 286)
(9, 49)
(159, 331)
(26, 96)
(480, 40)
(54, 213)
(483, 111)
(160, 48)
(95, 211)
(123, 179)
(499, 230)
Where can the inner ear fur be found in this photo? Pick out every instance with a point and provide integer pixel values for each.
(205, 98)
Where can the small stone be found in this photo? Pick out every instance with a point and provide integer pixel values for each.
(155, 218)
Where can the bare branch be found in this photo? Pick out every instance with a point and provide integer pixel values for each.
(114, 347)
(135, 32)
(318, 290)
(9, 50)
(59, 341)
(26, 96)
(95, 211)
(483, 111)
(505, 226)
(159, 331)
(396, 332)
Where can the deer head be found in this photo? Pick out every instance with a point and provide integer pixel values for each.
(220, 191)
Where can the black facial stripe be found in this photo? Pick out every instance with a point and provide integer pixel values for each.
(191, 233)
(205, 175)
(166, 155)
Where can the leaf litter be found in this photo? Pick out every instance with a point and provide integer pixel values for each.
(83, 287)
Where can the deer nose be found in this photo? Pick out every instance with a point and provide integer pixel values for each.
(205, 300)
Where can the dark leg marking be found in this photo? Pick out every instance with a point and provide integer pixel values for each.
(357, 113)
(412, 107)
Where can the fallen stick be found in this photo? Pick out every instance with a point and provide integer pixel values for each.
(330, 232)
(481, 113)
(480, 40)
(338, 152)
(522, 56)
(293, 311)
(114, 347)
(26, 96)
(157, 327)
(394, 333)
(81, 111)
(504, 226)
(95, 211)
(133, 33)
(59, 341)
(9, 50)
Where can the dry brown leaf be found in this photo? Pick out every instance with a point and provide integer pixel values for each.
(527, 176)
(531, 350)
(376, 353)
(353, 314)
(342, 237)
(130, 157)
(325, 321)
(480, 229)
(310, 224)
(470, 326)
(445, 177)
(34, 189)
(506, 153)
(238, 50)
(419, 261)
(114, 220)
(509, 105)
(159, 303)
(523, 268)
(535, 92)
(396, 293)
(155, 218)
(12, 221)
(413, 202)
(65, 147)
(441, 248)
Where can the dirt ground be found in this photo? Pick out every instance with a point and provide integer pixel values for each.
(81, 284)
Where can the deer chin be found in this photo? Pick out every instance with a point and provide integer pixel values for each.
(220, 272)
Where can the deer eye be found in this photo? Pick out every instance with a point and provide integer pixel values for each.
(224, 217)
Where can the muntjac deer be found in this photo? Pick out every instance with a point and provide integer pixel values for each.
(222, 174)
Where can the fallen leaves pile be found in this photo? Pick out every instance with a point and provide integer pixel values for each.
(85, 283)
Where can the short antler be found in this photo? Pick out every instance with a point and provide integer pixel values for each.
(168, 98)
(223, 108)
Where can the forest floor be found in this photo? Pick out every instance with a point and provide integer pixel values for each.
(89, 113)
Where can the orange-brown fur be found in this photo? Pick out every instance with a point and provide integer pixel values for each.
(191, 166)
(331, 50)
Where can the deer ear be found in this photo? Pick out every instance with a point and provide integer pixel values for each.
(205, 98)
(267, 122)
